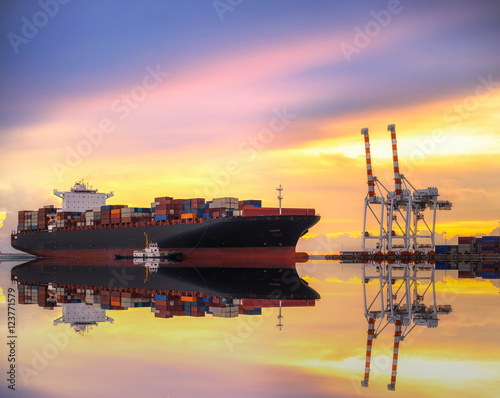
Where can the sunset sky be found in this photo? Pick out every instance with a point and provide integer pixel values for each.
(205, 98)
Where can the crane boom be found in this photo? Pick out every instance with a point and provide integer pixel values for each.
(397, 176)
(369, 172)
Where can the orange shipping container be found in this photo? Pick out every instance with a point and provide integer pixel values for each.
(188, 298)
(188, 215)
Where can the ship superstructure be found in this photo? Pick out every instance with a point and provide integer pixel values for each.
(81, 198)
(81, 316)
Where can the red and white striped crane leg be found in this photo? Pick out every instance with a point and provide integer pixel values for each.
(397, 176)
(369, 342)
(369, 172)
(397, 339)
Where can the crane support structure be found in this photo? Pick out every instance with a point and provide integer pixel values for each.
(369, 344)
(397, 337)
(400, 223)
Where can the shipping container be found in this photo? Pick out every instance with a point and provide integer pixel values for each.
(442, 265)
(466, 240)
(268, 211)
(490, 239)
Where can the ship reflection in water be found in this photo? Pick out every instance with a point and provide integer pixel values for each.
(416, 315)
(169, 289)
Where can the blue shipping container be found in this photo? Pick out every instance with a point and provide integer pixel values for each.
(442, 265)
(490, 239)
(441, 249)
(490, 275)
(162, 217)
(254, 203)
(161, 297)
(255, 311)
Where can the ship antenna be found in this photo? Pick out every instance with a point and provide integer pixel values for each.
(279, 196)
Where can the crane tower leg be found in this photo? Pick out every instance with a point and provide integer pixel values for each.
(371, 332)
(397, 338)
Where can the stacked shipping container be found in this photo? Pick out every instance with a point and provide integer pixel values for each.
(162, 209)
(488, 245)
(164, 305)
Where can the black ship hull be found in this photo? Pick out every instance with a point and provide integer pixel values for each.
(260, 283)
(277, 234)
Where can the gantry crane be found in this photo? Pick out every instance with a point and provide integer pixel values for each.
(406, 282)
(403, 208)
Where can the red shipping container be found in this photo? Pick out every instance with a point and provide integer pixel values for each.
(250, 304)
(163, 199)
(250, 211)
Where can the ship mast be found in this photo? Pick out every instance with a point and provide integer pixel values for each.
(280, 317)
(279, 196)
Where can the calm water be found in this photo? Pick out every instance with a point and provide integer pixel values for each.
(227, 342)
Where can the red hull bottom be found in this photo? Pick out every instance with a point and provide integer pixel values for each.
(247, 257)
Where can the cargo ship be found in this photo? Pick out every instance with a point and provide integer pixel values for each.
(86, 227)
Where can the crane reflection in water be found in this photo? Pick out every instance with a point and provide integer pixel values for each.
(401, 300)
